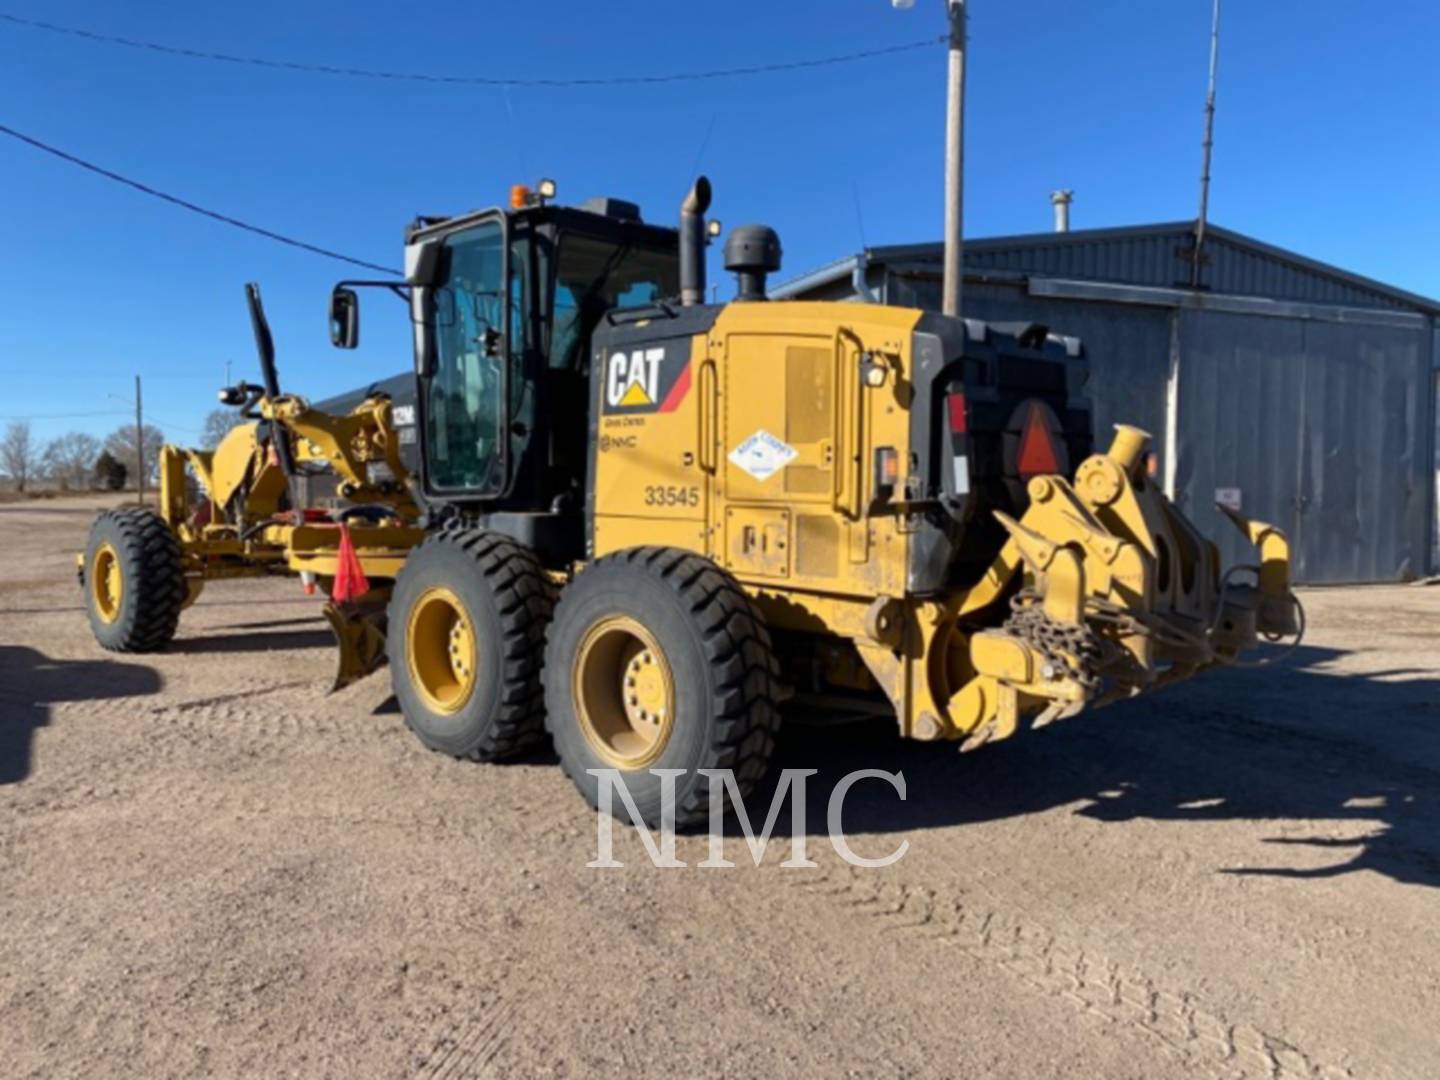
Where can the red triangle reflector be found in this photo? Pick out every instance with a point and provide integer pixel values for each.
(1037, 455)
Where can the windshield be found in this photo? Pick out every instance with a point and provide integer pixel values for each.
(462, 412)
(591, 277)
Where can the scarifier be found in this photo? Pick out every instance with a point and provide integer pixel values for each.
(648, 521)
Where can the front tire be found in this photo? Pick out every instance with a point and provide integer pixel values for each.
(134, 581)
(466, 644)
(657, 659)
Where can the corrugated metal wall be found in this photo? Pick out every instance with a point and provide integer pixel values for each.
(1160, 256)
(1238, 421)
(1323, 426)
(1128, 346)
(1138, 259)
(1243, 271)
(1364, 450)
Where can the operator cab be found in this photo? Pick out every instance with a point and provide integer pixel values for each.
(503, 305)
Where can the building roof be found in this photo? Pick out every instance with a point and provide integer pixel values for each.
(1152, 255)
(400, 388)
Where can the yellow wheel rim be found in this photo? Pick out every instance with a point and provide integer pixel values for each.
(624, 692)
(107, 584)
(440, 649)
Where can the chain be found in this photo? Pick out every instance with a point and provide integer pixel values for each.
(1073, 650)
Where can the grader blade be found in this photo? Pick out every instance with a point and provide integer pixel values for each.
(359, 628)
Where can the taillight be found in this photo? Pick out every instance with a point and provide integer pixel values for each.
(887, 466)
(959, 421)
(887, 473)
(957, 411)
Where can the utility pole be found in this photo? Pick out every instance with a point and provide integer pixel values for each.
(139, 445)
(953, 280)
(1202, 218)
(955, 163)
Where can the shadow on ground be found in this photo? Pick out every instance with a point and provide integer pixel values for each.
(30, 682)
(207, 642)
(1292, 742)
(52, 609)
(1297, 742)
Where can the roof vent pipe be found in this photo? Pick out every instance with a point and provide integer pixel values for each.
(1061, 200)
(692, 243)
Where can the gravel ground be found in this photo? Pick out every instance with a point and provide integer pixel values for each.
(210, 867)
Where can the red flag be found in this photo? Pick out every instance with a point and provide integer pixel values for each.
(350, 580)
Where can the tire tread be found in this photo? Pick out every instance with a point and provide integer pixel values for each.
(524, 599)
(737, 648)
(152, 566)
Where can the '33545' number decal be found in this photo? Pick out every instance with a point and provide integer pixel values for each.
(672, 496)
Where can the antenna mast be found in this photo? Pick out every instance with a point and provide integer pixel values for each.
(1202, 219)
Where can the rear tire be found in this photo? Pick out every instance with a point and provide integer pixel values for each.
(134, 581)
(466, 644)
(657, 659)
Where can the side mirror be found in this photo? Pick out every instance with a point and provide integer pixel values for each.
(344, 318)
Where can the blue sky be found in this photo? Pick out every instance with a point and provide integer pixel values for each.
(1325, 144)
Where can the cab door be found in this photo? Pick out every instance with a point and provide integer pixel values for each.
(462, 361)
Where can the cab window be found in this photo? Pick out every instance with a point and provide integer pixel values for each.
(593, 276)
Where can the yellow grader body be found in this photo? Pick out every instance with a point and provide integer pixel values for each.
(638, 525)
(1101, 590)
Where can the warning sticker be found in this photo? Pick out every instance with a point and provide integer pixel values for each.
(762, 455)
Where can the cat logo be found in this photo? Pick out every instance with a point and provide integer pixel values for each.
(633, 379)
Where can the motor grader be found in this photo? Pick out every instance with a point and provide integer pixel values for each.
(650, 520)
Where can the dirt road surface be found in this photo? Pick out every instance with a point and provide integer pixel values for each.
(209, 867)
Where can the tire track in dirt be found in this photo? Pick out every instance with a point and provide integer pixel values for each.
(466, 1050)
(145, 744)
(996, 931)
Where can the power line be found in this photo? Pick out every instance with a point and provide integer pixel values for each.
(164, 376)
(470, 80)
(150, 421)
(64, 416)
(187, 205)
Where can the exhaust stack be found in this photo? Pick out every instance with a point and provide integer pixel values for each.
(1061, 200)
(692, 243)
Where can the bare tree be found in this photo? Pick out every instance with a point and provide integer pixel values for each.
(19, 454)
(70, 459)
(121, 444)
(218, 424)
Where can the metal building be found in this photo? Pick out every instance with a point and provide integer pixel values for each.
(1305, 393)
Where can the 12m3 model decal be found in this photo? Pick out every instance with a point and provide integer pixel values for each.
(646, 379)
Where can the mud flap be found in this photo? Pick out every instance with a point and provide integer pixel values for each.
(359, 628)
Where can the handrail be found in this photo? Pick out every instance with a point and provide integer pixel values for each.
(708, 425)
(845, 454)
